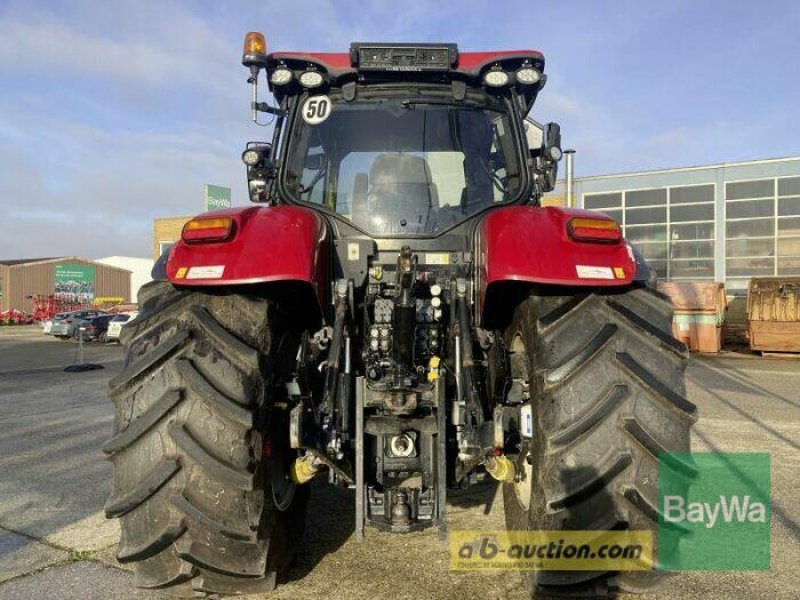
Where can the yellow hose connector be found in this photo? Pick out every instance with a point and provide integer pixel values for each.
(434, 368)
(304, 468)
(500, 468)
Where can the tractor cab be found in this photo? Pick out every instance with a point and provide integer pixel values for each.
(399, 140)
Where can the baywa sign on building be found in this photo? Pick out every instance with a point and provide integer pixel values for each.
(217, 197)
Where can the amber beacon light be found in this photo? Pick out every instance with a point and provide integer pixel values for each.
(254, 43)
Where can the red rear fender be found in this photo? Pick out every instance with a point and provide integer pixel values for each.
(268, 244)
(532, 244)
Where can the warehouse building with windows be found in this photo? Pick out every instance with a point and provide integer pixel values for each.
(725, 222)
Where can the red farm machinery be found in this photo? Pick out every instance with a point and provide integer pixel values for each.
(397, 311)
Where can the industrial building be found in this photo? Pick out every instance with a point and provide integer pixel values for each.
(724, 222)
(76, 281)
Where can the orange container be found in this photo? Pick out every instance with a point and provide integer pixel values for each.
(696, 296)
(700, 332)
(699, 313)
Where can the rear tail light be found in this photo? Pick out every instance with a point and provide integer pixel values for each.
(588, 229)
(216, 229)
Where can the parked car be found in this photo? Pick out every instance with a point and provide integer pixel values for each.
(65, 326)
(47, 326)
(94, 328)
(115, 325)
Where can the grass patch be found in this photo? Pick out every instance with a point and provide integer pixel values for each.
(77, 555)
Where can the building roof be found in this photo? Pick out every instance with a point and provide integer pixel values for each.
(23, 261)
(725, 165)
(57, 259)
(122, 258)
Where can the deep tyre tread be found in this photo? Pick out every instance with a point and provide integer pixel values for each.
(160, 541)
(141, 425)
(221, 470)
(138, 368)
(606, 380)
(681, 404)
(575, 431)
(183, 504)
(191, 488)
(214, 397)
(121, 504)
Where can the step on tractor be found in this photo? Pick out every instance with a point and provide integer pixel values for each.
(396, 314)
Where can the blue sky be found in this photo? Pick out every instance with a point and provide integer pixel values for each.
(112, 113)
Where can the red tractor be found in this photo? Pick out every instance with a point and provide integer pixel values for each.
(398, 311)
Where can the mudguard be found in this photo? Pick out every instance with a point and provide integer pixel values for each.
(532, 244)
(269, 244)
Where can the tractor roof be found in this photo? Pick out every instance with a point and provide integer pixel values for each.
(403, 62)
(467, 64)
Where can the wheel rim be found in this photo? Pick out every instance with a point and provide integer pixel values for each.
(283, 488)
(519, 374)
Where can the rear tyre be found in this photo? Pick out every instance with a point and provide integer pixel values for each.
(192, 480)
(606, 382)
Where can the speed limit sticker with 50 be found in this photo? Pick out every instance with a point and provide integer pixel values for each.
(316, 109)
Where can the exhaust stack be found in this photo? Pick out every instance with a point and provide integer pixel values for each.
(570, 178)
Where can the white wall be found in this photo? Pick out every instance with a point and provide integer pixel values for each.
(139, 267)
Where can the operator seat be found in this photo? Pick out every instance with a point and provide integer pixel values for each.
(400, 188)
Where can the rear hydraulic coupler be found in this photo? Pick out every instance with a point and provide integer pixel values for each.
(304, 468)
(500, 468)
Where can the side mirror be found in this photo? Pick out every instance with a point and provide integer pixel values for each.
(534, 133)
(551, 154)
(544, 143)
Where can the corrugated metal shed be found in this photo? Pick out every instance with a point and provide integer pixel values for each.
(22, 278)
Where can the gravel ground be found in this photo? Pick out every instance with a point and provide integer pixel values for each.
(55, 543)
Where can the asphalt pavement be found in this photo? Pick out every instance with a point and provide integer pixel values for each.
(56, 544)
